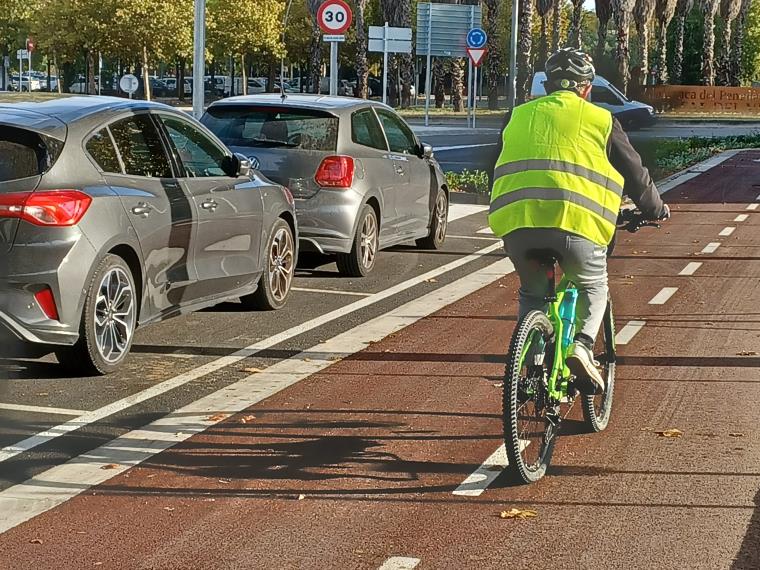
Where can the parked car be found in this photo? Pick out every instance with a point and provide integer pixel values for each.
(361, 179)
(26, 83)
(631, 114)
(158, 218)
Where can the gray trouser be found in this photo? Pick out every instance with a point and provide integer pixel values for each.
(583, 261)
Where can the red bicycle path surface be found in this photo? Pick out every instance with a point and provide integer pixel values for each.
(358, 463)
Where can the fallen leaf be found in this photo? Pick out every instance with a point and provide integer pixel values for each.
(218, 417)
(247, 419)
(301, 497)
(432, 280)
(672, 432)
(251, 370)
(36, 541)
(736, 434)
(170, 509)
(518, 514)
(42, 394)
(225, 481)
(499, 385)
(307, 359)
(110, 466)
(747, 353)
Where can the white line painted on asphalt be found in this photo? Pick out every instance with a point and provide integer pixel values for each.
(332, 292)
(461, 147)
(741, 218)
(486, 230)
(662, 297)
(241, 354)
(753, 206)
(727, 231)
(483, 476)
(691, 268)
(711, 247)
(400, 563)
(41, 409)
(483, 238)
(758, 198)
(629, 331)
(58, 484)
(457, 211)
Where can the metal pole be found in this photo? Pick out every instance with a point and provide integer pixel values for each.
(100, 71)
(199, 58)
(428, 87)
(282, 59)
(21, 74)
(385, 63)
(513, 55)
(469, 90)
(333, 68)
(474, 96)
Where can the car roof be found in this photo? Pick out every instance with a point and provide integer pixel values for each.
(70, 109)
(301, 100)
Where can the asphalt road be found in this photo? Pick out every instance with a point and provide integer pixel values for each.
(360, 427)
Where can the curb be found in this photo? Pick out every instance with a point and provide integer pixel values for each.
(674, 180)
(469, 198)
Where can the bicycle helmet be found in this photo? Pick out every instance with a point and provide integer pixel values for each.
(569, 68)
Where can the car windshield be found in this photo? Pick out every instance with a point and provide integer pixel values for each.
(249, 126)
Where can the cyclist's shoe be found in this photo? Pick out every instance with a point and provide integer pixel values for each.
(580, 361)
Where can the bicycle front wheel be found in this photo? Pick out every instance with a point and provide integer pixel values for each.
(528, 428)
(598, 409)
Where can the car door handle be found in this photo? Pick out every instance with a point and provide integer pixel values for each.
(142, 209)
(209, 205)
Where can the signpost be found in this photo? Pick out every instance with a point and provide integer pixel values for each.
(334, 17)
(129, 84)
(199, 58)
(476, 49)
(389, 40)
(21, 55)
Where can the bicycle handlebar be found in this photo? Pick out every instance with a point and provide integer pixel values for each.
(632, 220)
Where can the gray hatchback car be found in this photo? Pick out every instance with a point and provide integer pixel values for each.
(361, 179)
(117, 213)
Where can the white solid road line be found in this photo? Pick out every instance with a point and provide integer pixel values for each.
(62, 482)
(400, 563)
(483, 238)
(727, 231)
(758, 198)
(483, 476)
(711, 247)
(332, 292)
(461, 147)
(691, 268)
(485, 230)
(215, 365)
(457, 211)
(662, 297)
(753, 206)
(741, 217)
(41, 409)
(629, 331)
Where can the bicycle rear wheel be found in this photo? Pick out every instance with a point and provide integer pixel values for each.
(528, 429)
(598, 409)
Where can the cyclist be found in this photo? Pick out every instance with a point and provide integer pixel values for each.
(562, 169)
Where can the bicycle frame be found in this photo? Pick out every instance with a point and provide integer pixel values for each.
(558, 381)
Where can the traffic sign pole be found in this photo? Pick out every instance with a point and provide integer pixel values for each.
(199, 58)
(513, 55)
(334, 18)
(333, 68)
(385, 64)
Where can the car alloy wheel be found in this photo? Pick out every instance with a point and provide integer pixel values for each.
(441, 217)
(368, 246)
(114, 315)
(281, 264)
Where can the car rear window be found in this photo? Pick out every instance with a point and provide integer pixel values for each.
(273, 127)
(24, 153)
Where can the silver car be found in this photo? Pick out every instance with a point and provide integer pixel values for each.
(118, 213)
(361, 179)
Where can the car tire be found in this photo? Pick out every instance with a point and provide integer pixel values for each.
(360, 261)
(279, 268)
(102, 348)
(438, 223)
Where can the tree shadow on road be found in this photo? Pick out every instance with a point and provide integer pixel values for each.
(748, 557)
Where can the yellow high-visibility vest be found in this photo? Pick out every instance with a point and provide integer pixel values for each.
(553, 171)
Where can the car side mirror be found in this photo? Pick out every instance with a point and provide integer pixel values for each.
(426, 151)
(237, 165)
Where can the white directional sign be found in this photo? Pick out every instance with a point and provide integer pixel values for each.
(22, 54)
(389, 40)
(129, 84)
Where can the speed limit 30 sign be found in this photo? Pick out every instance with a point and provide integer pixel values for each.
(334, 16)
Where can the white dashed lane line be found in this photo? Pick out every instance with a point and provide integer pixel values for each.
(629, 331)
(711, 247)
(483, 476)
(400, 563)
(663, 296)
(691, 268)
(753, 206)
(41, 410)
(332, 292)
(725, 232)
(741, 218)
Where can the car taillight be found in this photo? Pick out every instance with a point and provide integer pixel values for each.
(46, 208)
(336, 172)
(46, 301)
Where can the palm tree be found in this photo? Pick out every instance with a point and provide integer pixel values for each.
(439, 76)
(494, 58)
(709, 8)
(556, 24)
(729, 10)
(524, 41)
(406, 65)
(622, 10)
(315, 47)
(543, 8)
(642, 13)
(737, 43)
(683, 8)
(362, 66)
(603, 14)
(574, 34)
(664, 11)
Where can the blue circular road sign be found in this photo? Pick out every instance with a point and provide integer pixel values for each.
(476, 38)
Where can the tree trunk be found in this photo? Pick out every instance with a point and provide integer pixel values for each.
(708, 45)
(737, 44)
(525, 40)
(243, 75)
(181, 78)
(543, 46)
(315, 58)
(439, 78)
(723, 75)
(90, 73)
(362, 66)
(272, 75)
(405, 63)
(493, 63)
(603, 13)
(678, 46)
(661, 55)
(146, 73)
(643, 31)
(59, 81)
(623, 55)
(457, 84)
(574, 35)
(556, 24)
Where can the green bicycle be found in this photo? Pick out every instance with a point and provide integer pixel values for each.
(539, 389)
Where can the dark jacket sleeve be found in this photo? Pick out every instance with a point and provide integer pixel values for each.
(495, 151)
(638, 183)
